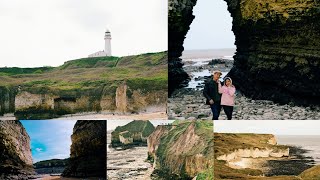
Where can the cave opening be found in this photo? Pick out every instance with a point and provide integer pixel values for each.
(209, 44)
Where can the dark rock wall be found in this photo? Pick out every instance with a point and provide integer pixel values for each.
(88, 150)
(277, 43)
(180, 18)
(278, 55)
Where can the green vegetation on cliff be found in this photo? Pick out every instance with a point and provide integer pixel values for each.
(81, 85)
(138, 130)
(88, 73)
(226, 143)
(186, 151)
(51, 163)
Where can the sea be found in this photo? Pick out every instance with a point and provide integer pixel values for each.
(311, 143)
(201, 58)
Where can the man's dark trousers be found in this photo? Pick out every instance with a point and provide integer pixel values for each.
(215, 108)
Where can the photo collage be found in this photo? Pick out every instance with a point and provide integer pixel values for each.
(160, 90)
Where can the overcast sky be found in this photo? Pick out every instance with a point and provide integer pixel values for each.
(284, 127)
(40, 33)
(50, 139)
(211, 28)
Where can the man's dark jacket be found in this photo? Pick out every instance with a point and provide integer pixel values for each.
(211, 91)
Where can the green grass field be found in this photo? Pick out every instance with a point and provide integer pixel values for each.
(146, 70)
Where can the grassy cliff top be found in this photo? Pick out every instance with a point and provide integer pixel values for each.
(88, 73)
(226, 143)
(136, 126)
(51, 163)
(203, 129)
(187, 150)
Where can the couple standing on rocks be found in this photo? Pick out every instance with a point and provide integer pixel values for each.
(219, 96)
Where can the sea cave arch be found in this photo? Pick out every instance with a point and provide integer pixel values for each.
(277, 42)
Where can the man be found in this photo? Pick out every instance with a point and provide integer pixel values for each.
(211, 92)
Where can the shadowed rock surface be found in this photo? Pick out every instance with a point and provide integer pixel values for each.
(277, 43)
(88, 150)
(15, 158)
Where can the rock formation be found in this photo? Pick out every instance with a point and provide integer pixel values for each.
(131, 84)
(155, 138)
(7, 95)
(183, 151)
(15, 159)
(88, 150)
(53, 166)
(134, 133)
(180, 18)
(277, 43)
(232, 148)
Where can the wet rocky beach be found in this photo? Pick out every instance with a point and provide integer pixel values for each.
(294, 165)
(189, 103)
(128, 164)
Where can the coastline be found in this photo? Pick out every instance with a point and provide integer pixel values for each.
(161, 115)
(189, 103)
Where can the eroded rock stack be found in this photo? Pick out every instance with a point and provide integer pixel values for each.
(88, 150)
(134, 133)
(15, 159)
(6, 100)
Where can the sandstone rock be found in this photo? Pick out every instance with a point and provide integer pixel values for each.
(133, 134)
(88, 150)
(185, 150)
(6, 100)
(15, 159)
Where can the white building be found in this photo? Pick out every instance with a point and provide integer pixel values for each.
(107, 47)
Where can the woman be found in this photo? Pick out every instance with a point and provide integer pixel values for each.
(227, 98)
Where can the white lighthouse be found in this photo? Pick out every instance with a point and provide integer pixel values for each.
(107, 47)
(107, 39)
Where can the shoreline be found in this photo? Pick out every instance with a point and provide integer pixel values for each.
(293, 165)
(105, 116)
(189, 103)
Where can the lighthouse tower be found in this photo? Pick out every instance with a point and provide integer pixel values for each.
(107, 47)
(107, 39)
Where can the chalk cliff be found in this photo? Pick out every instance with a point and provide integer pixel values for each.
(231, 149)
(88, 150)
(15, 158)
(134, 133)
(124, 85)
(184, 150)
